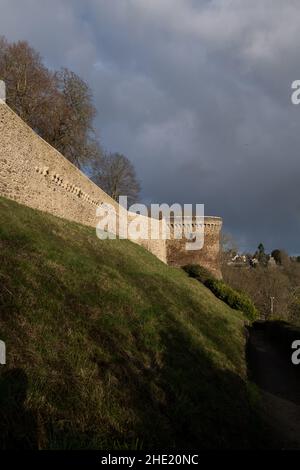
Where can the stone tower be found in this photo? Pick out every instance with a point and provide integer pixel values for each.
(208, 256)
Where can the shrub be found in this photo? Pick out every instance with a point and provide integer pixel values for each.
(235, 299)
(198, 272)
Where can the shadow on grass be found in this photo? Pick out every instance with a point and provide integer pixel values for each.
(270, 366)
(18, 426)
(160, 386)
(269, 358)
(185, 401)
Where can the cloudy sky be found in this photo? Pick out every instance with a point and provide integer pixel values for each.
(195, 92)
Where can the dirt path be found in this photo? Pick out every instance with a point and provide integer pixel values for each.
(280, 389)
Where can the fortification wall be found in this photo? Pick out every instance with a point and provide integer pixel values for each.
(35, 174)
(208, 256)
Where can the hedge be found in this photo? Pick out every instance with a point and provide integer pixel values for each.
(235, 299)
(198, 272)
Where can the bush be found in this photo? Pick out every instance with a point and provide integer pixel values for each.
(235, 299)
(198, 272)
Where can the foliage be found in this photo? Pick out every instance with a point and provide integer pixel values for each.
(261, 255)
(198, 272)
(236, 300)
(280, 256)
(281, 283)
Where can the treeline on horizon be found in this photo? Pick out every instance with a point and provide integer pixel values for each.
(59, 106)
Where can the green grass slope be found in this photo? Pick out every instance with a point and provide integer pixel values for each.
(109, 348)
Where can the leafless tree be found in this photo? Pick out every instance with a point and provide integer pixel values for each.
(57, 105)
(74, 135)
(30, 85)
(116, 175)
(262, 283)
(229, 247)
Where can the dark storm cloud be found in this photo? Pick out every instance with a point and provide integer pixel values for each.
(196, 93)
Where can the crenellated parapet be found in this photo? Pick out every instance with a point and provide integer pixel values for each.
(211, 223)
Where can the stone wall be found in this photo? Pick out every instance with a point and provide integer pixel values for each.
(35, 174)
(208, 256)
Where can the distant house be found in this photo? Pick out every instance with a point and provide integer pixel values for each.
(237, 260)
(254, 262)
(272, 263)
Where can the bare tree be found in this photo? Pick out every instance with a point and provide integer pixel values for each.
(30, 86)
(261, 284)
(115, 174)
(74, 136)
(3, 50)
(57, 105)
(229, 247)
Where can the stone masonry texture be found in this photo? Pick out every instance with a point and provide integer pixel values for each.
(35, 174)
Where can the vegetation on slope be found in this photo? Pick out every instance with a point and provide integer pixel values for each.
(235, 299)
(109, 348)
(271, 280)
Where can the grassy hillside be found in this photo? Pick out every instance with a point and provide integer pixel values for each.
(108, 347)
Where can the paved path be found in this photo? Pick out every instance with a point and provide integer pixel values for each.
(280, 389)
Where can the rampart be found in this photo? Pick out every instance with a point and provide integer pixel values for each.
(35, 174)
(208, 256)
